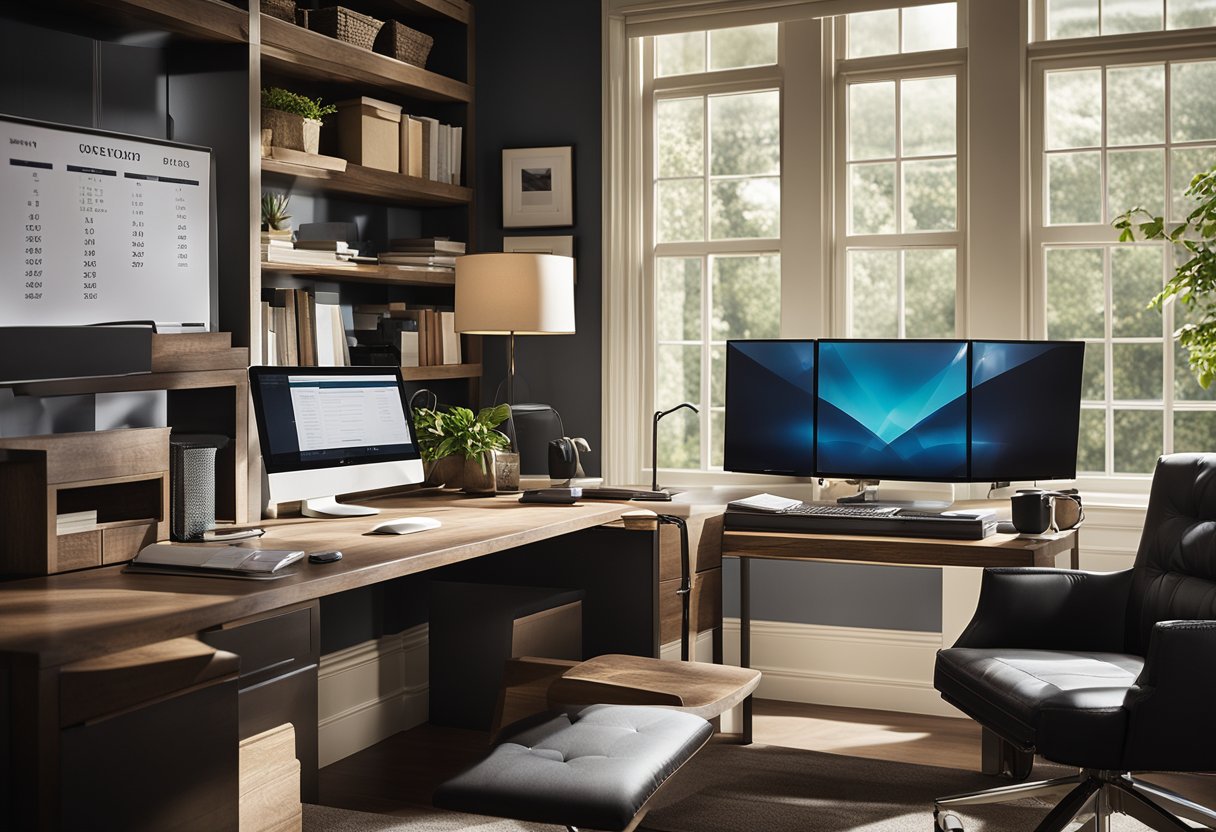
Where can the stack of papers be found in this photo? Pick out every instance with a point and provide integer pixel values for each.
(216, 559)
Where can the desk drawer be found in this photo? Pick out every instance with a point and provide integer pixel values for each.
(271, 645)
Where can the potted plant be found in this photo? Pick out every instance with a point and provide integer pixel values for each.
(275, 219)
(1194, 281)
(294, 119)
(429, 427)
(458, 432)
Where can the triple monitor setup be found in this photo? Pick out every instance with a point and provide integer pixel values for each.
(947, 411)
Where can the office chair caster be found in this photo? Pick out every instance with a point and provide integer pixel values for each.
(946, 822)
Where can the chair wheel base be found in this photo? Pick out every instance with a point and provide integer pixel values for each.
(946, 822)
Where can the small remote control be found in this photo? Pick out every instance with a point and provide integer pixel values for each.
(325, 557)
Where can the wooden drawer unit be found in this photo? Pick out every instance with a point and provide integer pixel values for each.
(121, 475)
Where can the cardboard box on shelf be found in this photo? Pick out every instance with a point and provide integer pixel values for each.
(369, 133)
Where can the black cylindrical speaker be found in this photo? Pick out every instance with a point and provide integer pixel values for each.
(192, 483)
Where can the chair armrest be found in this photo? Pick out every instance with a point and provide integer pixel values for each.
(1049, 609)
(1171, 701)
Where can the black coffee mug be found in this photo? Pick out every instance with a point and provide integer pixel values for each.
(1031, 511)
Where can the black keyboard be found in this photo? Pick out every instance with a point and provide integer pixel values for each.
(835, 518)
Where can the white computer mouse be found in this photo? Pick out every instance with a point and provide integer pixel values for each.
(406, 525)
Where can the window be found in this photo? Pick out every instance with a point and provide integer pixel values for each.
(1110, 135)
(716, 222)
(1091, 18)
(899, 177)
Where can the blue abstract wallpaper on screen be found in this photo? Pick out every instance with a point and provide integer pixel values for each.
(892, 410)
(770, 407)
(1025, 409)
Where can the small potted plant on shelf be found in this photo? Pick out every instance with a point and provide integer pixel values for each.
(276, 223)
(1194, 280)
(294, 119)
(471, 438)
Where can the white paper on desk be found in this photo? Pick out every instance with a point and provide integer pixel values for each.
(222, 558)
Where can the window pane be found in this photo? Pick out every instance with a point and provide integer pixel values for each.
(1190, 14)
(681, 210)
(1076, 299)
(1192, 116)
(678, 298)
(872, 121)
(745, 134)
(677, 375)
(1072, 19)
(1135, 273)
(930, 27)
(1194, 431)
(872, 198)
(1091, 449)
(681, 146)
(679, 54)
(1074, 188)
(874, 33)
(928, 113)
(743, 46)
(1137, 441)
(1136, 372)
(717, 423)
(745, 208)
(1184, 165)
(1135, 105)
(717, 376)
(930, 195)
(680, 437)
(929, 281)
(1093, 374)
(1136, 179)
(1074, 108)
(746, 294)
(1122, 16)
(874, 294)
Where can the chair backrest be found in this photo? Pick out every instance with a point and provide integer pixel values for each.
(1175, 570)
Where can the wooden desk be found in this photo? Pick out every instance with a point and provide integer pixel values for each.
(996, 550)
(52, 622)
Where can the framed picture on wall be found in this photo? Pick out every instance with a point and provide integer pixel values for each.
(561, 245)
(537, 189)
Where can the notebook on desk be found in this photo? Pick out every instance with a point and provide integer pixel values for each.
(216, 561)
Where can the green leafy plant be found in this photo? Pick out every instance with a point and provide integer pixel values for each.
(277, 98)
(1194, 282)
(458, 431)
(274, 211)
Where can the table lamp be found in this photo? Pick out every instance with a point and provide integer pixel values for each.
(510, 293)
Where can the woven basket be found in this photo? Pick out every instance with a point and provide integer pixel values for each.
(403, 43)
(282, 9)
(349, 27)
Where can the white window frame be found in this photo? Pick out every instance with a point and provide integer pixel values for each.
(1101, 52)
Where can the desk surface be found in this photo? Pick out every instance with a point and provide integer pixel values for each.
(64, 618)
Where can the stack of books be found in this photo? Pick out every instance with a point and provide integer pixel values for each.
(423, 253)
(431, 150)
(75, 521)
(425, 336)
(303, 329)
(306, 252)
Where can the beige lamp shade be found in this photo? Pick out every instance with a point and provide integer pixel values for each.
(508, 292)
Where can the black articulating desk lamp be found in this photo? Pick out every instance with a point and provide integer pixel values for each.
(654, 441)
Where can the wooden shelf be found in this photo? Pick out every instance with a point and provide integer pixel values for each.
(441, 371)
(296, 51)
(457, 10)
(371, 183)
(398, 275)
(207, 20)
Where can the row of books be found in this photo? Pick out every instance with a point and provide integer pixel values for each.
(429, 252)
(426, 336)
(431, 150)
(303, 329)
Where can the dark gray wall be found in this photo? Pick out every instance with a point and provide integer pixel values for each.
(538, 85)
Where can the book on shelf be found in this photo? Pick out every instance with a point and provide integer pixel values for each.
(298, 256)
(450, 338)
(411, 146)
(426, 245)
(301, 328)
(73, 522)
(457, 153)
(325, 245)
(409, 348)
(396, 258)
(443, 162)
(430, 147)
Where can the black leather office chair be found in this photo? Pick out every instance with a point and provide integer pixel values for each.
(1109, 672)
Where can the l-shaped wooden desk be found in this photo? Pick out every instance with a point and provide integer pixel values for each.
(56, 627)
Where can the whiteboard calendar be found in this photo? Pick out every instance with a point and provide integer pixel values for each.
(98, 227)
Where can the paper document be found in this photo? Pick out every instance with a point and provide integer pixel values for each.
(764, 502)
(219, 558)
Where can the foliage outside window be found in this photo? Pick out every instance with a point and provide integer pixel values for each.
(1093, 18)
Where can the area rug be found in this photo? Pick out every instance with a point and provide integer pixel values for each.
(757, 788)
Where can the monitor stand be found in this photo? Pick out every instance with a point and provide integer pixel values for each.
(330, 507)
(910, 495)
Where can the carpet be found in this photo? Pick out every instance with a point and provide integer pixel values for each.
(757, 788)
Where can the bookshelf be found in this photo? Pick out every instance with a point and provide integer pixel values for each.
(441, 371)
(391, 275)
(370, 184)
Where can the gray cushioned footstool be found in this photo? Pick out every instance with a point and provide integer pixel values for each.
(594, 767)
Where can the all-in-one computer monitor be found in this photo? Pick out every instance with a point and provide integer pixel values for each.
(892, 410)
(1025, 409)
(770, 399)
(333, 430)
